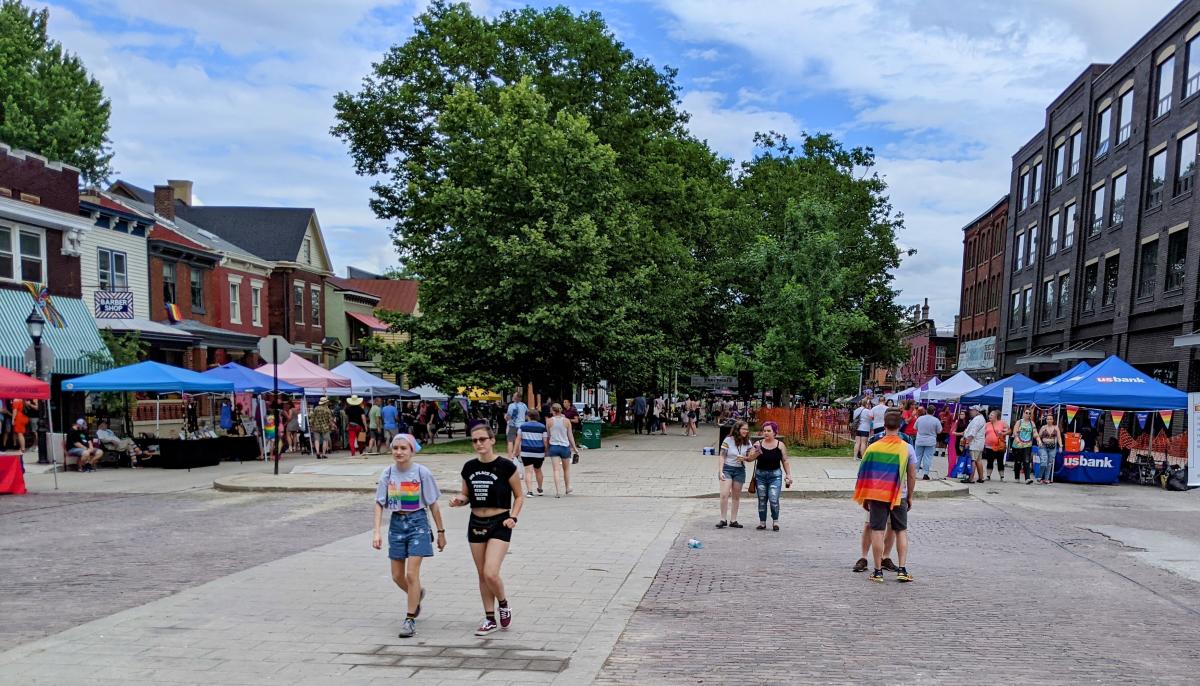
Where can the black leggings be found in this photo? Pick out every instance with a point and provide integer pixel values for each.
(1022, 459)
(994, 457)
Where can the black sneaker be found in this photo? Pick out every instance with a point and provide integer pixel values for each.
(877, 576)
(925, 478)
(735, 525)
(889, 565)
(860, 566)
(902, 575)
(722, 524)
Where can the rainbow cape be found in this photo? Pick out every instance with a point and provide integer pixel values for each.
(881, 469)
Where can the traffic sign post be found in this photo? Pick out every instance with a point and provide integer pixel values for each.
(275, 350)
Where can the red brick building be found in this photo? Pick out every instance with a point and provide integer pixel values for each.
(930, 352)
(982, 286)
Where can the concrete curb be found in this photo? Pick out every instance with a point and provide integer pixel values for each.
(948, 491)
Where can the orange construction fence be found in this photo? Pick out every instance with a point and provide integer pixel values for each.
(811, 427)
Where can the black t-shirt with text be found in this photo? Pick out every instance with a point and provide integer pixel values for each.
(487, 482)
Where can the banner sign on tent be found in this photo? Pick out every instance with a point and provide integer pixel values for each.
(1117, 416)
(1072, 410)
(1166, 417)
(1194, 439)
(1141, 419)
(1094, 416)
(1088, 468)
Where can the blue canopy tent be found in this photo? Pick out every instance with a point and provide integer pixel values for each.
(993, 393)
(1115, 384)
(1042, 394)
(246, 380)
(148, 377)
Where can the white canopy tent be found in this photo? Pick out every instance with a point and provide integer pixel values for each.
(953, 388)
(428, 392)
(364, 383)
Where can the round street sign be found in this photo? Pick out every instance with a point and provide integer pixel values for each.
(47, 359)
(274, 349)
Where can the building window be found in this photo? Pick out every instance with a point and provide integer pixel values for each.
(939, 357)
(1076, 152)
(307, 251)
(1014, 321)
(1185, 163)
(1027, 310)
(1090, 273)
(995, 291)
(256, 305)
(298, 302)
(1103, 131)
(1069, 226)
(169, 283)
(1147, 270)
(235, 303)
(1060, 164)
(24, 261)
(1158, 178)
(1125, 117)
(1064, 295)
(111, 269)
(1166, 74)
(1193, 68)
(1036, 189)
(1097, 211)
(1117, 214)
(197, 281)
(315, 296)
(1112, 267)
(1023, 190)
(1047, 300)
(1176, 260)
(1019, 253)
(1052, 234)
(1033, 244)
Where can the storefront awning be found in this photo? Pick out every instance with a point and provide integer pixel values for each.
(70, 344)
(215, 337)
(1042, 355)
(1086, 350)
(370, 321)
(147, 330)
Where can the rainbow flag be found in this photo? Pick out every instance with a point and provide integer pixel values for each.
(883, 466)
(1072, 410)
(404, 496)
(174, 314)
(1166, 416)
(42, 300)
(1117, 416)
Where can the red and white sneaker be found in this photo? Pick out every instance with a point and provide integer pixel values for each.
(486, 627)
(505, 617)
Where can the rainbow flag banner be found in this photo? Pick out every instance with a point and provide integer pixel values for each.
(1117, 416)
(881, 470)
(1166, 416)
(1072, 410)
(174, 314)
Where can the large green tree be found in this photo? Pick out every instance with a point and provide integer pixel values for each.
(48, 102)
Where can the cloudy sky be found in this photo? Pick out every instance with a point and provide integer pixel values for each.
(237, 94)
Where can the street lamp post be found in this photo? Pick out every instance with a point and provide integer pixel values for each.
(36, 324)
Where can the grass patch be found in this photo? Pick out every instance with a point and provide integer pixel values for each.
(801, 451)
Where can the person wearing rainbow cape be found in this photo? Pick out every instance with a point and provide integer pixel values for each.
(407, 490)
(887, 477)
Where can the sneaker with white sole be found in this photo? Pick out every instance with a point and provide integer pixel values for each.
(486, 627)
(505, 617)
(409, 629)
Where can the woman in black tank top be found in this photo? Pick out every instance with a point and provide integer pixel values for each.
(771, 468)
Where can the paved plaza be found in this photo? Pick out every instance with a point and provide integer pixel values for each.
(173, 582)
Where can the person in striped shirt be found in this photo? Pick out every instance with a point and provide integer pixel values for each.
(531, 445)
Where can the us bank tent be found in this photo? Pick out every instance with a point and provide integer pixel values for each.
(1115, 384)
(1043, 393)
(993, 393)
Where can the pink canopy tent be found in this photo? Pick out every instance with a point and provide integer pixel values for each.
(299, 371)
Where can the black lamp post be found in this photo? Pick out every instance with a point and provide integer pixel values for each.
(36, 324)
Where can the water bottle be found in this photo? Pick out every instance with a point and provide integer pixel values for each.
(695, 543)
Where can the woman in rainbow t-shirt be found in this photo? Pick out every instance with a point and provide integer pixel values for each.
(407, 489)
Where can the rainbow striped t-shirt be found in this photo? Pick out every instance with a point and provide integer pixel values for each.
(883, 470)
(407, 491)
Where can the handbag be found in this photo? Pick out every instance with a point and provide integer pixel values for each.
(753, 484)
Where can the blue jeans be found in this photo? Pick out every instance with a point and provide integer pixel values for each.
(409, 536)
(924, 458)
(767, 486)
(1048, 457)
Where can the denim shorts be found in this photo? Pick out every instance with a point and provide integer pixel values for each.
(737, 473)
(409, 535)
(563, 451)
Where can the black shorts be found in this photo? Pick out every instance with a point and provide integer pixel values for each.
(535, 462)
(862, 434)
(484, 529)
(880, 512)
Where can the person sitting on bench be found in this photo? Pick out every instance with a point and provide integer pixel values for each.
(80, 446)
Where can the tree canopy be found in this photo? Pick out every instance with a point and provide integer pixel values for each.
(48, 103)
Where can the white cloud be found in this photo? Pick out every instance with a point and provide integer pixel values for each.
(730, 130)
(963, 83)
(709, 55)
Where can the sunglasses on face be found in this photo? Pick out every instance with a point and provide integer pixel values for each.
(485, 439)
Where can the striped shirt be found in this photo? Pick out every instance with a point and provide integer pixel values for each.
(532, 436)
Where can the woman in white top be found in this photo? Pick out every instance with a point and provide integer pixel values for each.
(731, 471)
(861, 422)
(562, 445)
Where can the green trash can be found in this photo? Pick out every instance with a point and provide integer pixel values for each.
(591, 434)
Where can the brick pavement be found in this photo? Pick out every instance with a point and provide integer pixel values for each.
(993, 602)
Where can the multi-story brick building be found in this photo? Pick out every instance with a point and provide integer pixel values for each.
(983, 280)
(931, 352)
(1099, 238)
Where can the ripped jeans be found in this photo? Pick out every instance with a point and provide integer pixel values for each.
(767, 485)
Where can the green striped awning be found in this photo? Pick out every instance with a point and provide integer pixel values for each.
(69, 343)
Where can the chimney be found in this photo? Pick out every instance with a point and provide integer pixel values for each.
(925, 309)
(183, 190)
(164, 202)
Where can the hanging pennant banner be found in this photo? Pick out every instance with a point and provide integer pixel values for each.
(1141, 419)
(1094, 416)
(1117, 416)
(1072, 410)
(1166, 417)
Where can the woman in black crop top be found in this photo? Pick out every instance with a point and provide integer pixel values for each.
(491, 487)
(770, 456)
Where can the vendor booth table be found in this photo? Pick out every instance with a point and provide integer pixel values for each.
(175, 453)
(12, 475)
